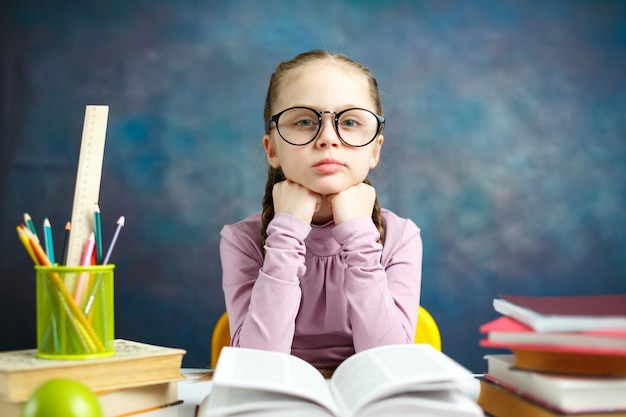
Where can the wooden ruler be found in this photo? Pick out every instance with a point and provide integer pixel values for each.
(87, 191)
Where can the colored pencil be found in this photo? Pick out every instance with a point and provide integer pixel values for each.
(24, 239)
(40, 253)
(77, 318)
(47, 238)
(97, 227)
(89, 246)
(86, 261)
(31, 226)
(66, 240)
(120, 224)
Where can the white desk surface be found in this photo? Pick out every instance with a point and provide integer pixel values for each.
(191, 391)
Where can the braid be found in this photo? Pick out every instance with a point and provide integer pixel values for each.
(274, 175)
(377, 216)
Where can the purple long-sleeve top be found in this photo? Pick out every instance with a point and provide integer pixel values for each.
(323, 292)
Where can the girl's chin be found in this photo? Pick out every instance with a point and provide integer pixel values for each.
(328, 187)
(324, 191)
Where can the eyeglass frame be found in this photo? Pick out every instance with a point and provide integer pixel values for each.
(379, 119)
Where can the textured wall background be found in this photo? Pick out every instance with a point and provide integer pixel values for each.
(505, 143)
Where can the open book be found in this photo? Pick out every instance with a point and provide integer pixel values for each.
(392, 380)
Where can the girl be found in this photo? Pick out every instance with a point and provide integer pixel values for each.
(322, 272)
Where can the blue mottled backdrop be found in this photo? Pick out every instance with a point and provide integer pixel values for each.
(505, 143)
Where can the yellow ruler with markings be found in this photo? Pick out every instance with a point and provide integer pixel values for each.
(87, 191)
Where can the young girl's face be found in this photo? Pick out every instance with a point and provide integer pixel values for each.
(326, 165)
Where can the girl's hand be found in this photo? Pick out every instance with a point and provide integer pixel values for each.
(292, 198)
(355, 201)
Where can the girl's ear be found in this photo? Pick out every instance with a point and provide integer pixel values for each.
(270, 151)
(378, 143)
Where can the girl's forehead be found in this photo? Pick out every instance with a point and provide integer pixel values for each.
(324, 84)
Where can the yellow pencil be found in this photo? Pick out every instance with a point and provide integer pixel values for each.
(25, 241)
(40, 253)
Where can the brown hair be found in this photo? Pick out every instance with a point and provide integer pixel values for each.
(283, 70)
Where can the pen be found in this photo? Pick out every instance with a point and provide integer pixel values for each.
(97, 227)
(47, 236)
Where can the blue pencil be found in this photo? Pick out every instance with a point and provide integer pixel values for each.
(48, 243)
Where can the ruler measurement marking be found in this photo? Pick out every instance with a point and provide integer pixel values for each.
(87, 190)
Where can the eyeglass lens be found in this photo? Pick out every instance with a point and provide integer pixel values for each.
(356, 127)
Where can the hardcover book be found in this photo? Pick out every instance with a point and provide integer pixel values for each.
(501, 402)
(119, 402)
(133, 364)
(566, 313)
(570, 361)
(565, 393)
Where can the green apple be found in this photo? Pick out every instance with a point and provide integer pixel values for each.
(62, 398)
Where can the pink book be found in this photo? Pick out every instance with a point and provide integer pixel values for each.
(505, 331)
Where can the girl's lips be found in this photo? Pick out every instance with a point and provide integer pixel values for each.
(328, 166)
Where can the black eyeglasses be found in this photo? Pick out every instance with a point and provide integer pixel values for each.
(299, 126)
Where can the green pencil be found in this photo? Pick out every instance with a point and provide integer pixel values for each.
(31, 225)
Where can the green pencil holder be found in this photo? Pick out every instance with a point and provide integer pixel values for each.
(75, 317)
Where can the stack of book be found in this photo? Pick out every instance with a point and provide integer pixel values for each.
(139, 377)
(568, 357)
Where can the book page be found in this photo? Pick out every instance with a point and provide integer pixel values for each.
(424, 404)
(271, 372)
(227, 401)
(381, 372)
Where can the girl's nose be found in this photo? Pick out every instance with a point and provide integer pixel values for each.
(328, 137)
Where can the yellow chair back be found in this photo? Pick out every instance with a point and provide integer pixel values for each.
(220, 338)
(427, 331)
